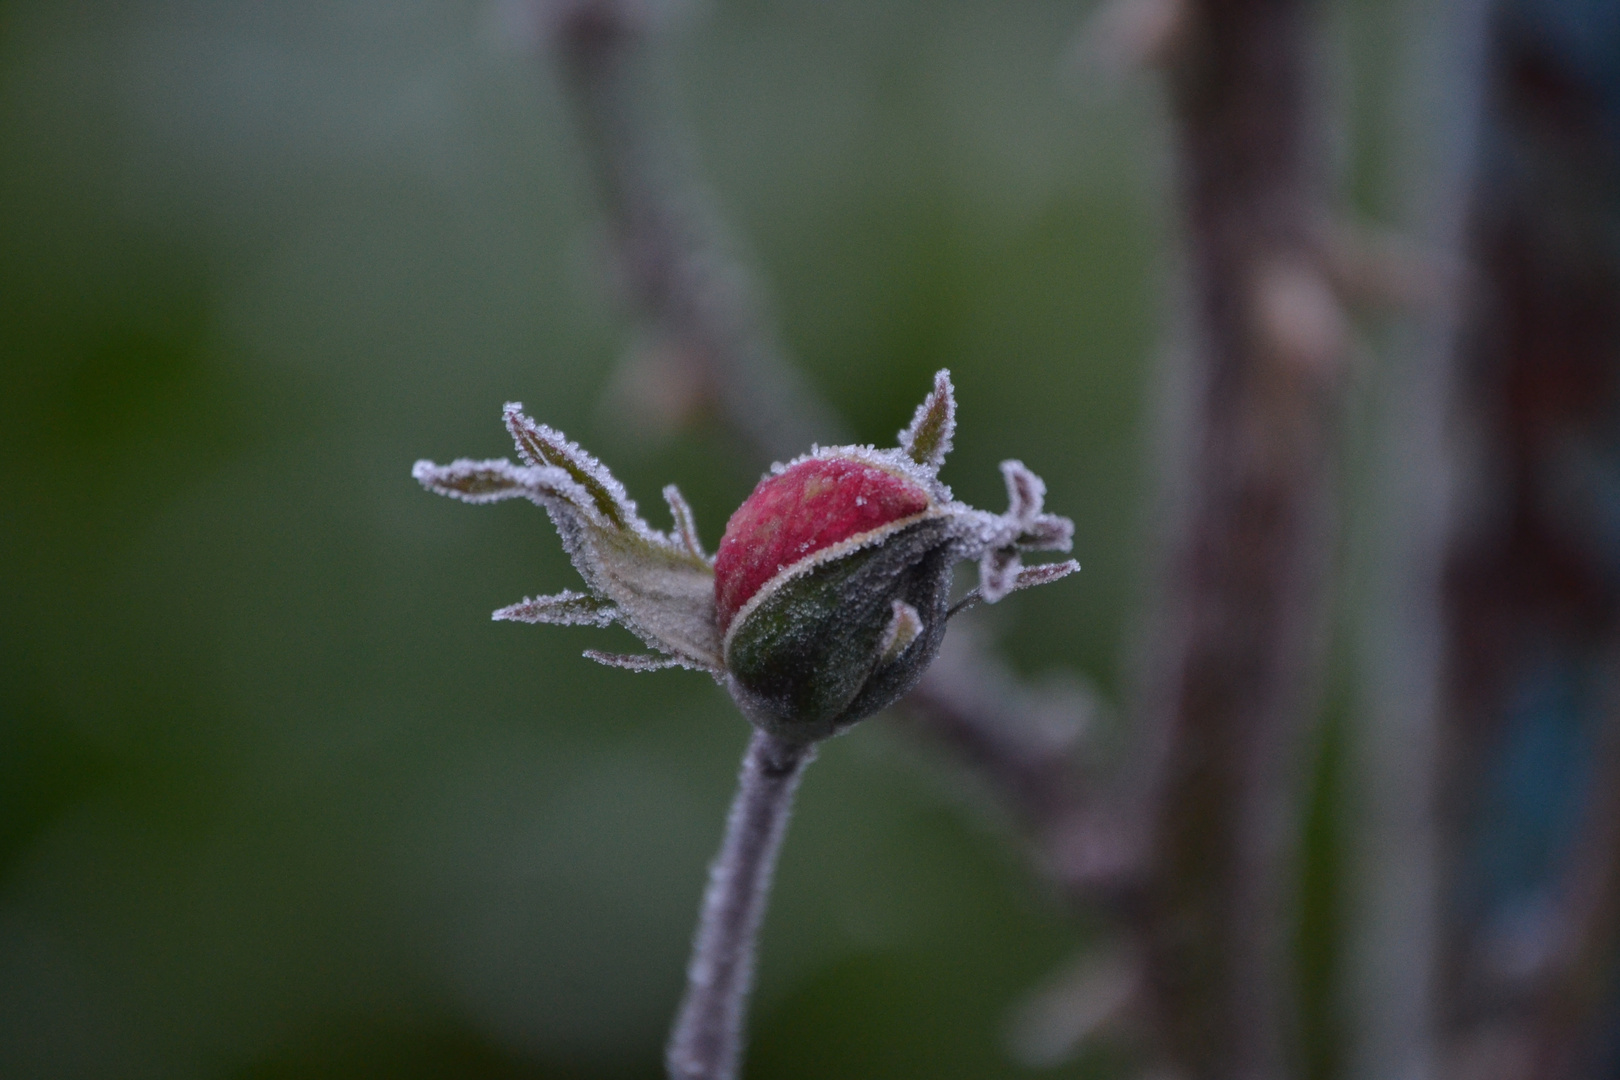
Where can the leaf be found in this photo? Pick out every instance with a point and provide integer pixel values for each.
(488, 481)
(665, 593)
(1026, 492)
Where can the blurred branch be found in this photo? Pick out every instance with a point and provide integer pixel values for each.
(1230, 682)
(1532, 586)
(1025, 748)
(1396, 846)
(711, 335)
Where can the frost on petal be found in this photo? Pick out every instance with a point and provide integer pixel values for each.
(928, 439)
(542, 445)
(634, 661)
(685, 524)
(905, 626)
(566, 608)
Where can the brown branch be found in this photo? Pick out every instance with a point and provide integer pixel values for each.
(1231, 681)
(1025, 750)
(683, 278)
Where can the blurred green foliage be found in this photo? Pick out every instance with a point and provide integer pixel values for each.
(276, 798)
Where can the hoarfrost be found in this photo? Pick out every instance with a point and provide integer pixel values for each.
(567, 608)
(539, 444)
(1026, 578)
(928, 439)
(1026, 492)
(635, 661)
(660, 587)
(998, 573)
(685, 524)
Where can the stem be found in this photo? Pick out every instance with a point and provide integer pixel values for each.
(1231, 680)
(707, 1041)
(683, 274)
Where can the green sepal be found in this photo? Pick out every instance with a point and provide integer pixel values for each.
(808, 659)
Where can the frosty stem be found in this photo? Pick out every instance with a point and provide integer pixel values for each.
(708, 1037)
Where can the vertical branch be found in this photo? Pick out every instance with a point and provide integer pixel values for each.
(1230, 682)
(684, 281)
(707, 1041)
(1532, 584)
(1396, 851)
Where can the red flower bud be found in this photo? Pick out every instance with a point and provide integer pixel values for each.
(830, 592)
(801, 512)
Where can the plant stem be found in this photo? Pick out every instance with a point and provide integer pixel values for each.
(1231, 680)
(707, 1041)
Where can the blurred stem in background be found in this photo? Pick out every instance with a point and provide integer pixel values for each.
(1232, 677)
(1193, 845)
(1529, 710)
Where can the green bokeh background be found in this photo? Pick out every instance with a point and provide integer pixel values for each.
(276, 798)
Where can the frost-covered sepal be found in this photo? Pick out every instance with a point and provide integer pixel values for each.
(658, 585)
(633, 661)
(1024, 527)
(928, 438)
(567, 608)
(1026, 577)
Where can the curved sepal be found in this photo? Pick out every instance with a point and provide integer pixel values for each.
(659, 586)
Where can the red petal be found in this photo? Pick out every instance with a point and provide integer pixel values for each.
(811, 506)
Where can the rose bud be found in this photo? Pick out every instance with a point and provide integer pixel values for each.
(831, 589)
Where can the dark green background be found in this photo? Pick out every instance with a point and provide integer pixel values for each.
(276, 797)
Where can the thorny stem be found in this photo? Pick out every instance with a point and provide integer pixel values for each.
(707, 1041)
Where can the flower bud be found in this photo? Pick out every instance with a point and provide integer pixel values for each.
(831, 590)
